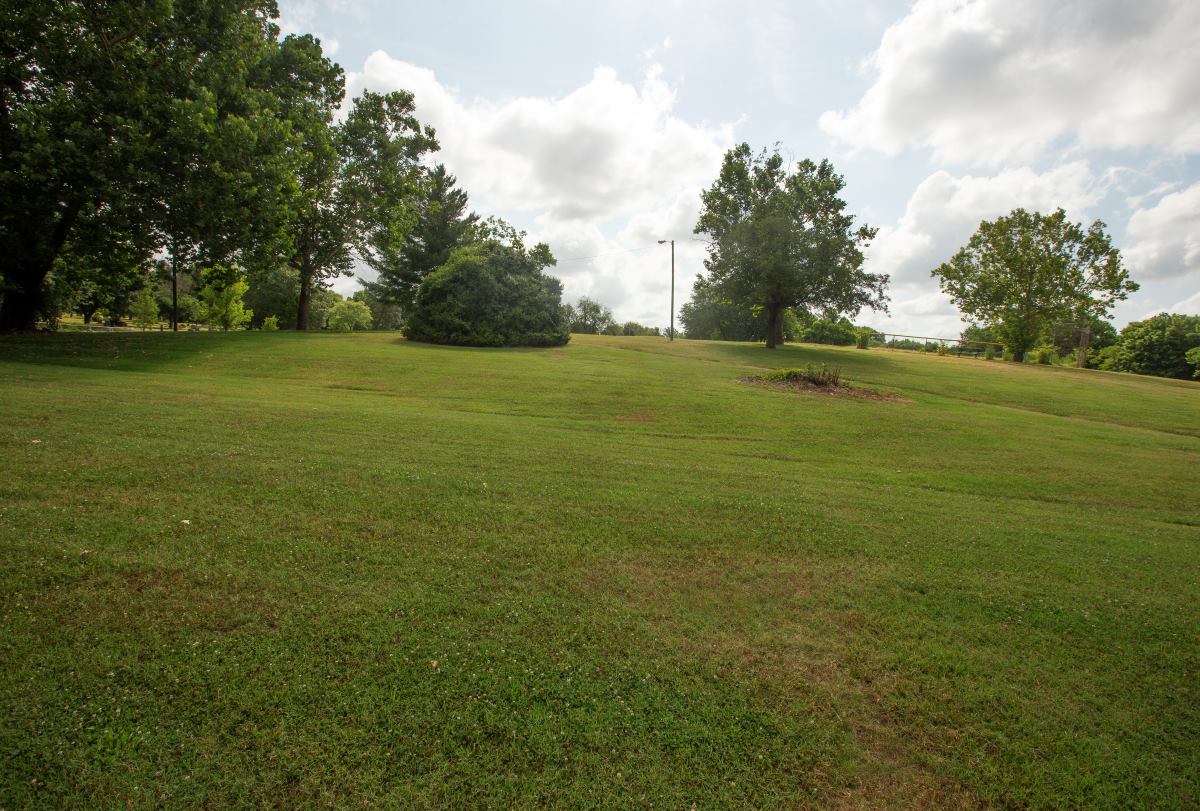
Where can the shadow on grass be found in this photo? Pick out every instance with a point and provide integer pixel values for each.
(122, 351)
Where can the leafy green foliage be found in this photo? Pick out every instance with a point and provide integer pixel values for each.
(384, 314)
(222, 294)
(403, 259)
(490, 294)
(1156, 346)
(145, 309)
(270, 323)
(1024, 271)
(1193, 357)
(348, 315)
(711, 315)
(589, 317)
(829, 329)
(633, 328)
(812, 374)
(779, 237)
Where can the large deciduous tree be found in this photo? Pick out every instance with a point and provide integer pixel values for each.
(779, 237)
(99, 99)
(1024, 271)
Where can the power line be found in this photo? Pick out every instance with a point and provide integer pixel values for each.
(607, 253)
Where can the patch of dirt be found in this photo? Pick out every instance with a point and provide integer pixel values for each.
(844, 390)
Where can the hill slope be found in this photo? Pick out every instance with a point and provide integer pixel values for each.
(300, 569)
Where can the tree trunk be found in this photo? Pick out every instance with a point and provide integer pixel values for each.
(305, 296)
(175, 288)
(1018, 355)
(774, 326)
(23, 299)
(25, 272)
(1084, 338)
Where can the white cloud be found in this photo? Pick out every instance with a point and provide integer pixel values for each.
(993, 80)
(1189, 306)
(940, 217)
(604, 168)
(299, 17)
(1165, 238)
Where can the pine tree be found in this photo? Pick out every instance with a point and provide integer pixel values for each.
(443, 224)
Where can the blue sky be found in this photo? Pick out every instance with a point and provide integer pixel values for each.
(594, 128)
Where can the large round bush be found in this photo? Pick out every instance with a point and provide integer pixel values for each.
(489, 295)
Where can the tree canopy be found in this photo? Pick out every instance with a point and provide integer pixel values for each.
(1024, 271)
(492, 293)
(402, 260)
(779, 237)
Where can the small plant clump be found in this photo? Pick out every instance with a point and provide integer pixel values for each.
(812, 374)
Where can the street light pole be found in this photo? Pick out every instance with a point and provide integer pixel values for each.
(671, 334)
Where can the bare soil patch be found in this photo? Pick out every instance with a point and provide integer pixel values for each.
(844, 390)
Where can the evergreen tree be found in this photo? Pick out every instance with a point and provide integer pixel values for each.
(443, 224)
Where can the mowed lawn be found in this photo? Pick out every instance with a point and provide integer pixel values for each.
(317, 570)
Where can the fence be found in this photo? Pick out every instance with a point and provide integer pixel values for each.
(942, 346)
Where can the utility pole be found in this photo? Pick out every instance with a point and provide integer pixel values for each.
(671, 334)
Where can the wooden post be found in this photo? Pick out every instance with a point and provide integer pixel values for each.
(1084, 336)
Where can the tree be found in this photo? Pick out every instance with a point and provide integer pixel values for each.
(381, 144)
(710, 315)
(384, 315)
(443, 223)
(492, 293)
(1026, 270)
(348, 315)
(70, 72)
(591, 317)
(1193, 357)
(634, 328)
(1067, 336)
(1156, 346)
(145, 308)
(222, 296)
(222, 173)
(88, 94)
(274, 291)
(829, 329)
(779, 237)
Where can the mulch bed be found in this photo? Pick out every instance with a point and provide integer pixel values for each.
(843, 390)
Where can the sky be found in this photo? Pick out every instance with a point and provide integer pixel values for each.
(595, 126)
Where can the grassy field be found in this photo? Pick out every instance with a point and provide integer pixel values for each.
(319, 570)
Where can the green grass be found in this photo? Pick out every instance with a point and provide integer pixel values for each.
(230, 562)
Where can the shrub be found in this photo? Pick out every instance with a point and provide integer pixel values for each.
(829, 330)
(490, 295)
(1193, 357)
(271, 323)
(862, 339)
(989, 352)
(1158, 346)
(942, 349)
(348, 315)
(222, 296)
(1044, 354)
(812, 374)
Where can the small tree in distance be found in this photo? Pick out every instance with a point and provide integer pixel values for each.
(348, 315)
(222, 296)
(1024, 271)
(145, 309)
